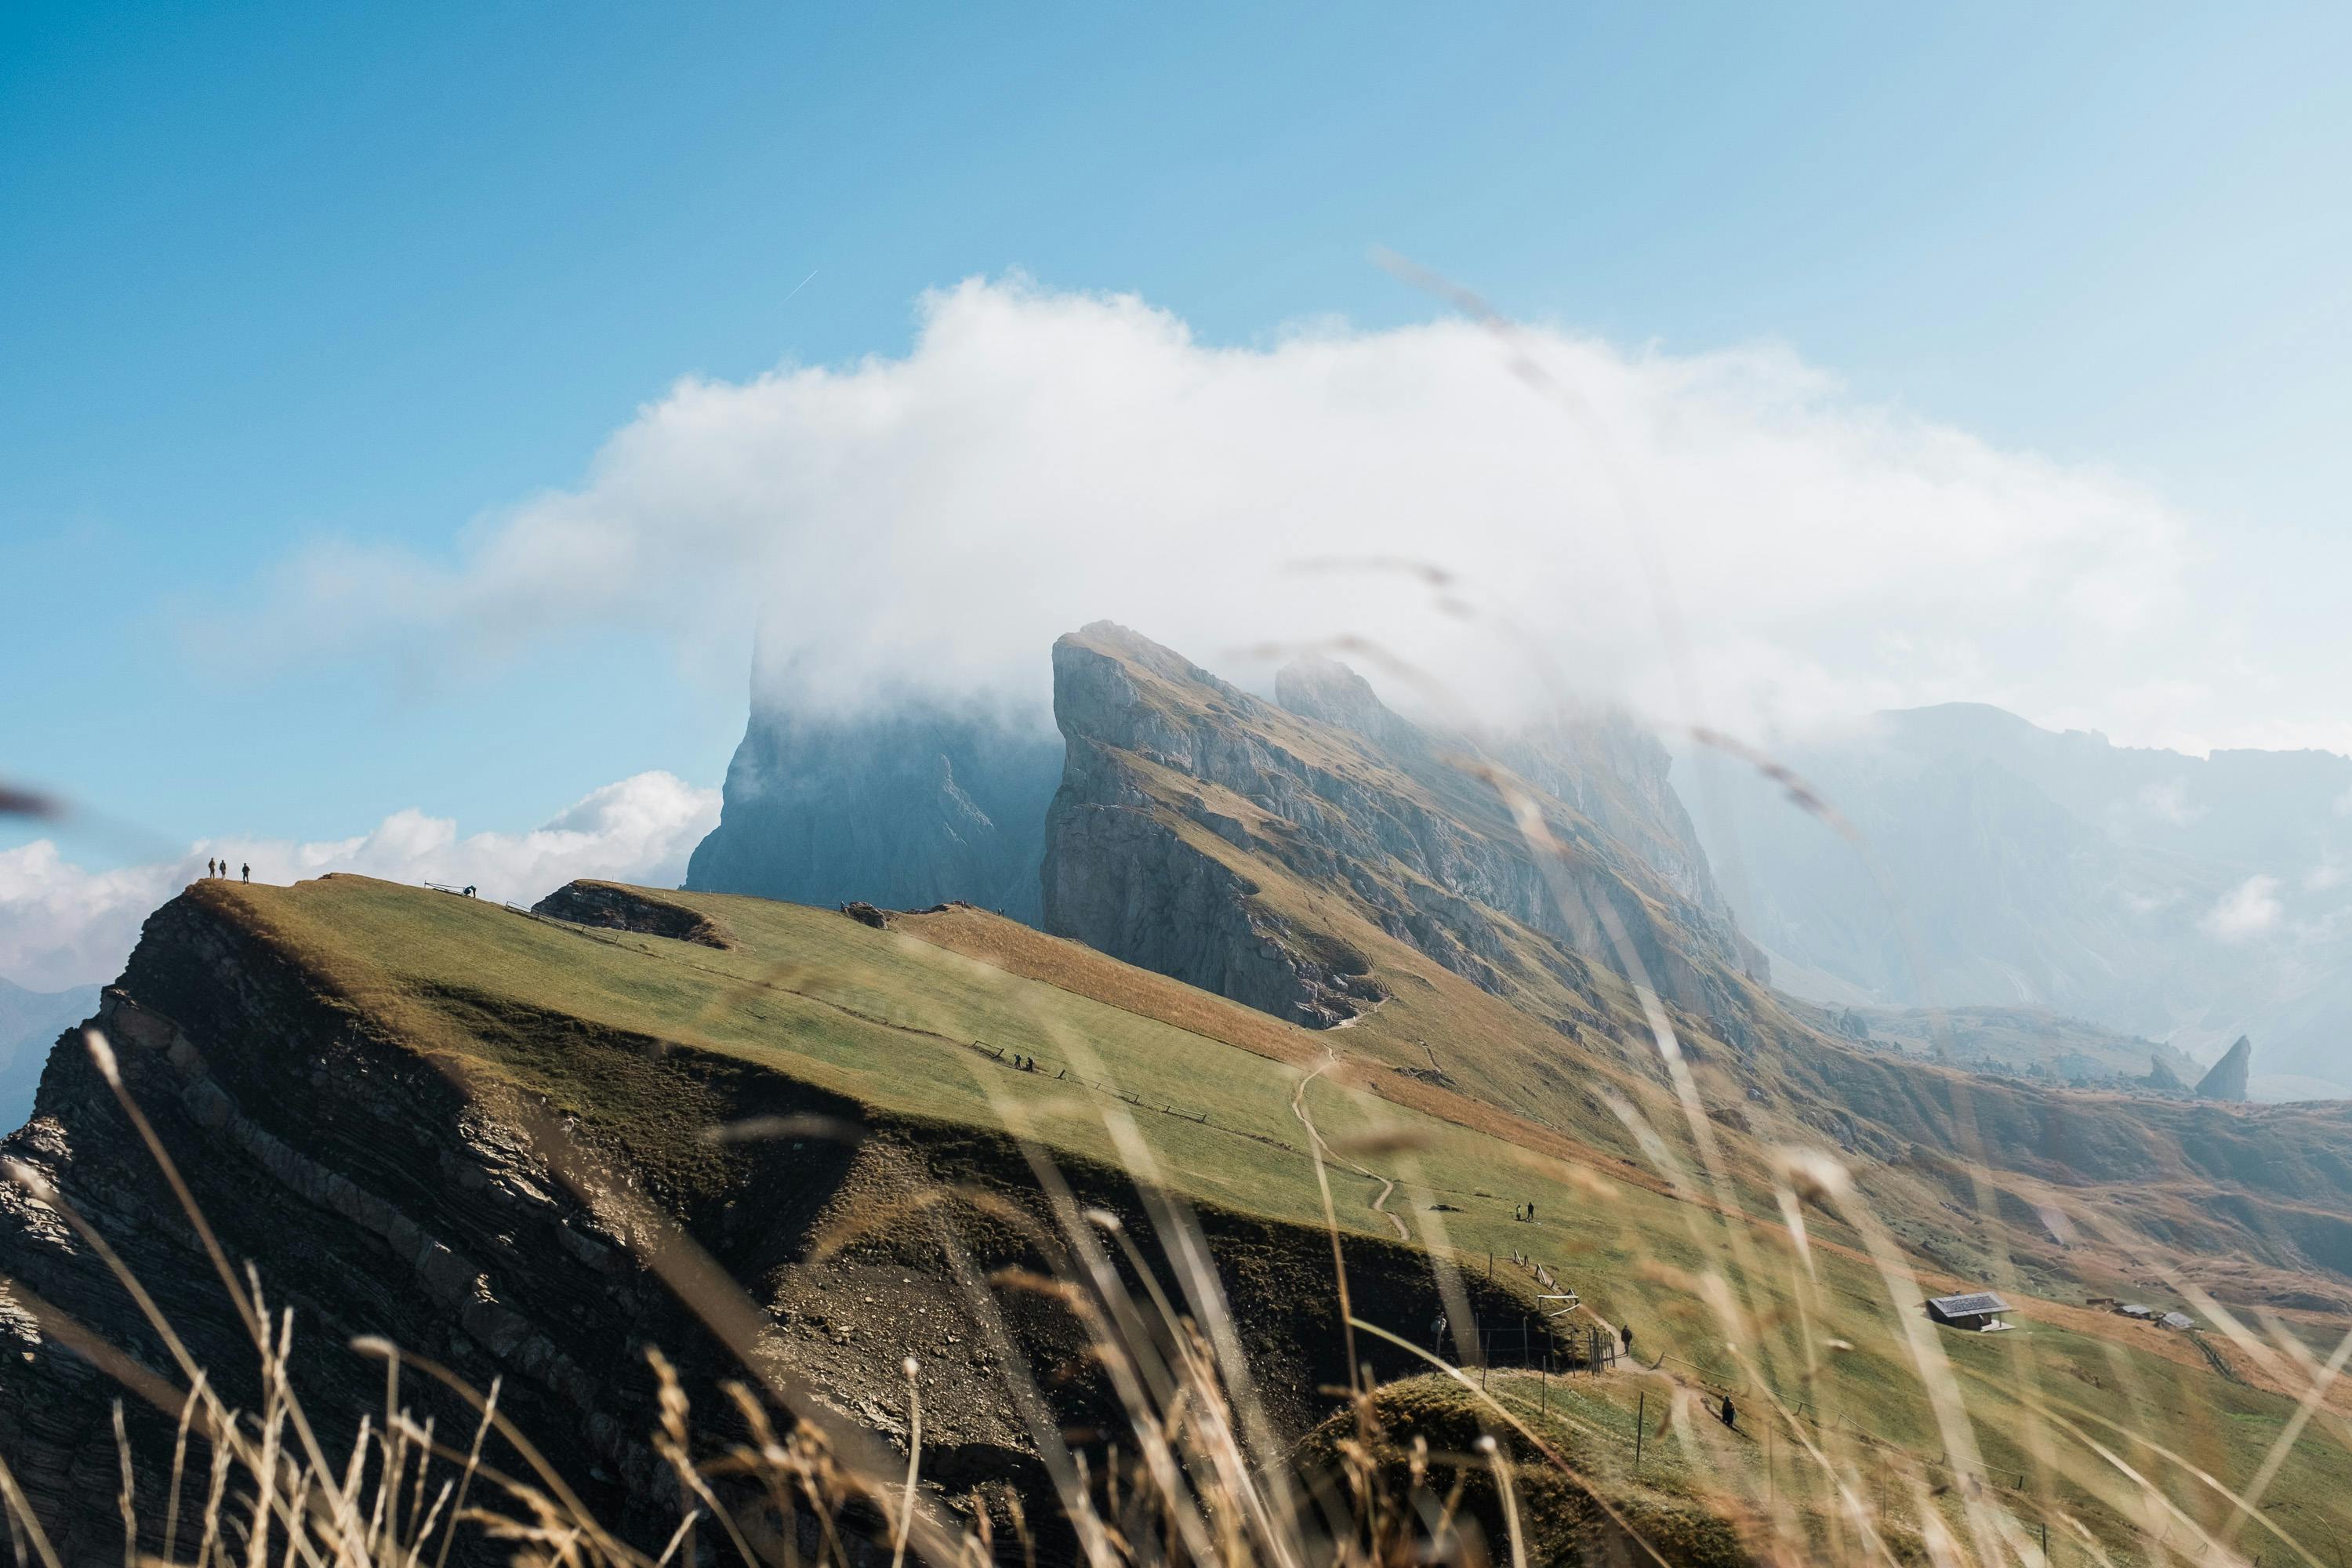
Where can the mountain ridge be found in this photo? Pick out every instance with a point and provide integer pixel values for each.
(2184, 899)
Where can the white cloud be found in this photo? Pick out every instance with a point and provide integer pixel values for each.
(61, 925)
(2248, 910)
(2167, 802)
(1040, 459)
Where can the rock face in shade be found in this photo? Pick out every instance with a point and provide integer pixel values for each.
(914, 807)
(2227, 1081)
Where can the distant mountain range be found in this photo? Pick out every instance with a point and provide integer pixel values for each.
(30, 1022)
(2183, 898)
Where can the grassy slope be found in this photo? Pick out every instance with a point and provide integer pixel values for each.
(886, 1018)
(1564, 1034)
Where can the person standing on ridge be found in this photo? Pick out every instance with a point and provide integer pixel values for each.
(248, 870)
(208, 867)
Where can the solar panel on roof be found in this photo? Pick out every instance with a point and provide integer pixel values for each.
(1969, 1306)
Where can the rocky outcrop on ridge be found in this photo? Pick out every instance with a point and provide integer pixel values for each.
(2227, 1077)
(613, 907)
(916, 804)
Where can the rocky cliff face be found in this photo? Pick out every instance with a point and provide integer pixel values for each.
(1616, 775)
(377, 1194)
(1185, 799)
(920, 805)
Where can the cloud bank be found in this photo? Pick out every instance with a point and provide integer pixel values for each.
(61, 925)
(1726, 535)
(2246, 911)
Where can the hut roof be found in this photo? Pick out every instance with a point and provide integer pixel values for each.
(1976, 1304)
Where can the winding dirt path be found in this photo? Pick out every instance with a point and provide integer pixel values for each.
(1299, 1108)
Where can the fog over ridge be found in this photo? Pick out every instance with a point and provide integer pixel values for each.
(1039, 459)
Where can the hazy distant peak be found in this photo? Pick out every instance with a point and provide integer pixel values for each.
(2227, 1081)
(1315, 686)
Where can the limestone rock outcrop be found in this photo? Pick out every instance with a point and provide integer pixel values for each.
(1190, 815)
(617, 908)
(2227, 1077)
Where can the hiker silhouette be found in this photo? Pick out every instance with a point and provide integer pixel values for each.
(208, 867)
(1730, 1415)
(248, 871)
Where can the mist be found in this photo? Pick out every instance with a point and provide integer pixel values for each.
(1727, 537)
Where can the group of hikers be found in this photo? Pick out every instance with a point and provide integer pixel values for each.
(220, 868)
(1029, 1064)
(1525, 1212)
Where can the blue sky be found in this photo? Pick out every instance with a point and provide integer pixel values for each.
(272, 276)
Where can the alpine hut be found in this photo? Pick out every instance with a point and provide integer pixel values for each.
(1979, 1310)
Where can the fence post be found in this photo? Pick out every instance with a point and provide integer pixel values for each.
(1641, 1411)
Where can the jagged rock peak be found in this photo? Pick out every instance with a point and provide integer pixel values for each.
(1325, 689)
(2227, 1080)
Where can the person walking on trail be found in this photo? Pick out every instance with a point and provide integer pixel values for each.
(1531, 1214)
(1730, 1415)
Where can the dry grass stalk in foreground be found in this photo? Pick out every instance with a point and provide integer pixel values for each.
(1460, 1467)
